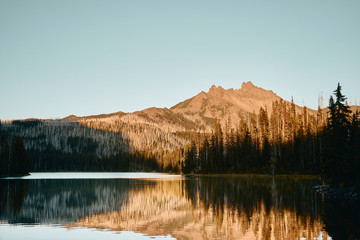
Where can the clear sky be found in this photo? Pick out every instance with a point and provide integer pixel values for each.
(87, 57)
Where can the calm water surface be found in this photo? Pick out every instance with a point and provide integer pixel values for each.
(160, 206)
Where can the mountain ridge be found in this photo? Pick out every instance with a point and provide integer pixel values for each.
(162, 128)
(205, 107)
(222, 104)
(167, 128)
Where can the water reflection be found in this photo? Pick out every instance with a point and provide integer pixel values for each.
(218, 208)
(341, 218)
(59, 201)
(12, 196)
(192, 208)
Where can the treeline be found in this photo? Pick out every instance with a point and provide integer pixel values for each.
(64, 146)
(14, 159)
(70, 146)
(278, 140)
(284, 141)
(342, 143)
(140, 131)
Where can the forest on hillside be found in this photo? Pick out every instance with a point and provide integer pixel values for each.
(281, 141)
(62, 146)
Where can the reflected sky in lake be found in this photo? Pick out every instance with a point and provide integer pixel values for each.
(242, 207)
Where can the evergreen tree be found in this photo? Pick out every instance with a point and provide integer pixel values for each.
(352, 168)
(4, 157)
(189, 163)
(264, 138)
(219, 148)
(337, 139)
(20, 162)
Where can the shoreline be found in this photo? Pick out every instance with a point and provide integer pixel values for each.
(14, 175)
(302, 176)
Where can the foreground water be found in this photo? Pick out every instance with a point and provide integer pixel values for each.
(160, 206)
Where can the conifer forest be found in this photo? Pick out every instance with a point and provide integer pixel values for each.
(286, 139)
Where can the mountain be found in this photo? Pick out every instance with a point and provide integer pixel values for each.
(222, 104)
(198, 112)
(155, 138)
(248, 98)
(163, 129)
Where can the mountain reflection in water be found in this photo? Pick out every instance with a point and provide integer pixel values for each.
(221, 208)
(191, 208)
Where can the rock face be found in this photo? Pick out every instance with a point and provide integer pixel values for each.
(222, 104)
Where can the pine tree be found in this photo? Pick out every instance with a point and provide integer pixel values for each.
(219, 149)
(337, 141)
(19, 163)
(4, 157)
(264, 136)
(352, 169)
(189, 164)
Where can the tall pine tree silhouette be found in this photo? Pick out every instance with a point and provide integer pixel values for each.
(338, 139)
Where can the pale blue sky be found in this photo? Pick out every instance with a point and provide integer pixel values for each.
(89, 57)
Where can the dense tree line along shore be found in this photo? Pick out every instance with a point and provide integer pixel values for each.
(283, 140)
(14, 158)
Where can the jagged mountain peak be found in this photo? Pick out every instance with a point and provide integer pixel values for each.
(247, 95)
(214, 88)
(200, 111)
(222, 104)
(247, 85)
(248, 89)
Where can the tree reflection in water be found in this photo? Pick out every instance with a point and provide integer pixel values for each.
(341, 218)
(192, 208)
(221, 208)
(12, 196)
(267, 208)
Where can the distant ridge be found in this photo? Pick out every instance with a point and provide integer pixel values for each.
(164, 128)
(197, 112)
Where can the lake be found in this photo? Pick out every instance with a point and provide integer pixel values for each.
(160, 206)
